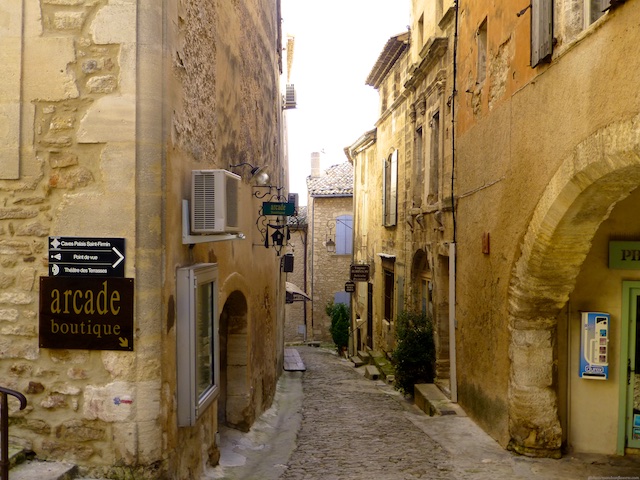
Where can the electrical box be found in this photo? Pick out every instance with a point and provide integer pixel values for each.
(594, 345)
(197, 341)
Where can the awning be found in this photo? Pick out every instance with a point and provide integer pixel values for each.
(295, 293)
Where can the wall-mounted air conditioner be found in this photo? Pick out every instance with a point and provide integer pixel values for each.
(290, 97)
(214, 201)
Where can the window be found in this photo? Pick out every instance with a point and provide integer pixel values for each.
(593, 10)
(418, 169)
(482, 52)
(390, 190)
(196, 341)
(342, 297)
(344, 235)
(388, 295)
(434, 164)
(541, 31)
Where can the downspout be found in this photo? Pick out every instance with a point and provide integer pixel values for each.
(311, 251)
(453, 377)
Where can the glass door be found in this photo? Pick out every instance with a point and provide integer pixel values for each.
(630, 368)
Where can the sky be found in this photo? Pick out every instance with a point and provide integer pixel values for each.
(337, 43)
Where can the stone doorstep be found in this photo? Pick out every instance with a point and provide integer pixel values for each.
(35, 469)
(292, 361)
(357, 361)
(364, 355)
(430, 399)
(371, 372)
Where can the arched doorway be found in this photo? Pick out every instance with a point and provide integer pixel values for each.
(234, 401)
(429, 294)
(599, 173)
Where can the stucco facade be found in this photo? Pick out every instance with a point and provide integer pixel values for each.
(107, 108)
(547, 162)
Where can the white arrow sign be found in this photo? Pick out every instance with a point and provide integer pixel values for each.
(119, 255)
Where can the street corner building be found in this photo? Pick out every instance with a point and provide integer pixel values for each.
(139, 307)
(507, 157)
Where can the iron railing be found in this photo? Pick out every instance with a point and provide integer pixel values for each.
(4, 428)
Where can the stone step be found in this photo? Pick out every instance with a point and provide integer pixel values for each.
(430, 399)
(357, 361)
(364, 355)
(292, 361)
(371, 372)
(39, 470)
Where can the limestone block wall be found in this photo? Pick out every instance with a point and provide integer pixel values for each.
(109, 122)
(74, 174)
(330, 271)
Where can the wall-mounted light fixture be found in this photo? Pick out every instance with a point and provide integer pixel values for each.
(258, 174)
(330, 242)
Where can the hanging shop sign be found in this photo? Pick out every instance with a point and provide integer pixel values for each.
(624, 255)
(86, 313)
(86, 257)
(278, 208)
(360, 273)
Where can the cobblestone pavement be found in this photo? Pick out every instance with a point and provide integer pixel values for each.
(330, 423)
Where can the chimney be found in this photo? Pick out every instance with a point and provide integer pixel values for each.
(315, 164)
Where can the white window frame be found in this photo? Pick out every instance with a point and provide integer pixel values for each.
(197, 355)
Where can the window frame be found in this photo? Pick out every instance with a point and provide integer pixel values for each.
(390, 190)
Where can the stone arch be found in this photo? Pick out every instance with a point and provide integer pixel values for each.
(235, 389)
(599, 172)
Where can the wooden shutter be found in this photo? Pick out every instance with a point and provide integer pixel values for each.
(344, 235)
(541, 31)
(385, 192)
(393, 189)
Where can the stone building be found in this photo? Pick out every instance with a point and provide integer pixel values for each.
(107, 108)
(329, 219)
(547, 170)
(406, 160)
(507, 156)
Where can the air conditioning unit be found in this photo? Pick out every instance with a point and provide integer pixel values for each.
(214, 201)
(290, 97)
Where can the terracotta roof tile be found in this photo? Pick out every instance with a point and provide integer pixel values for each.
(337, 181)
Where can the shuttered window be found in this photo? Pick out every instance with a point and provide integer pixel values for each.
(342, 297)
(541, 31)
(390, 190)
(344, 235)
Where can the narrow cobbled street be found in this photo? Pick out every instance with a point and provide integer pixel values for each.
(331, 423)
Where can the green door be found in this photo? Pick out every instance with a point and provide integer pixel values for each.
(630, 368)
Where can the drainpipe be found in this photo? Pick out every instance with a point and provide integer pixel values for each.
(453, 376)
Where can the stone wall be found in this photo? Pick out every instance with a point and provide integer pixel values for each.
(107, 139)
(329, 271)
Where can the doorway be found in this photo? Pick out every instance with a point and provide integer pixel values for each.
(629, 428)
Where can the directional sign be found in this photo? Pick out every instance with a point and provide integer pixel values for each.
(86, 257)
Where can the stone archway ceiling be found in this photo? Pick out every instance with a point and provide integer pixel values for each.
(601, 171)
